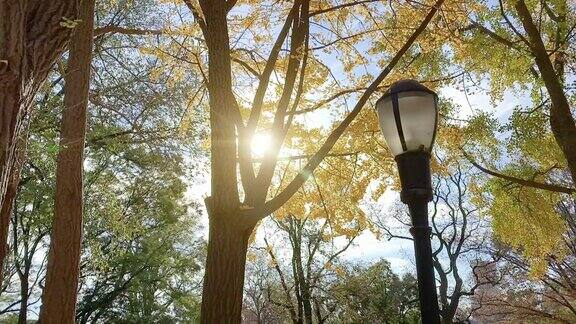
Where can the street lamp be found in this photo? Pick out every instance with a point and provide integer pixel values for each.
(408, 116)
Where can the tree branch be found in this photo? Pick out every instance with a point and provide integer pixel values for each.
(317, 158)
(561, 119)
(522, 182)
(344, 5)
(125, 31)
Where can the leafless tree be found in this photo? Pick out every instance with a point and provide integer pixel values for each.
(305, 268)
(520, 295)
(458, 237)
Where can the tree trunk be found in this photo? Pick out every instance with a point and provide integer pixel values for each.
(224, 274)
(561, 120)
(59, 295)
(5, 214)
(32, 36)
(229, 232)
(10, 128)
(31, 39)
(300, 276)
(23, 312)
(10, 197)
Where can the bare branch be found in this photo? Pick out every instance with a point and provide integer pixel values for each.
(344, 5)
(126, 31)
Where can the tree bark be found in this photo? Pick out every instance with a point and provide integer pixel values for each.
(224, 274)
(10, 196)
(561, 120)
(229, 230)
(23, 312)
(5, 214)
(59, 295)
(32, 37)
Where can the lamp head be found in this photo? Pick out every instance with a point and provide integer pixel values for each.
(408, 116)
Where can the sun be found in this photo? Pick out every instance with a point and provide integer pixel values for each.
(260, 144)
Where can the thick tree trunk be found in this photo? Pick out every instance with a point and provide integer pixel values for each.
(229, 232)
(12, 84)
(225, 264)
(59, 295)
(31, 38)
(9, 111)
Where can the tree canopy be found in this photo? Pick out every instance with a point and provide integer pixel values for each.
(221, 161)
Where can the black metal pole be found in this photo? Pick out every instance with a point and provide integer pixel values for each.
(414, 171)
(424, 267)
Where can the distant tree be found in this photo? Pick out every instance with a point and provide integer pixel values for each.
(523, 292)
(374, 294)
(261, 284)
(308, 268)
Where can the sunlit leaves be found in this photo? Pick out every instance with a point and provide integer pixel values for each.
(527, 219)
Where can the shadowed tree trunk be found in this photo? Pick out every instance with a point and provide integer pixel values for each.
(225, 270)
(59, 295)
(33, 34)
(23, 312)
(229, 231)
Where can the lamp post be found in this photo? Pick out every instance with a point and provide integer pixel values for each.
(408, 116)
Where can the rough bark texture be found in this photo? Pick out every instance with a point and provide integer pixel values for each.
(229, 232)
(225, 264)
(59, 295)
(222, 110)
(31, 39)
